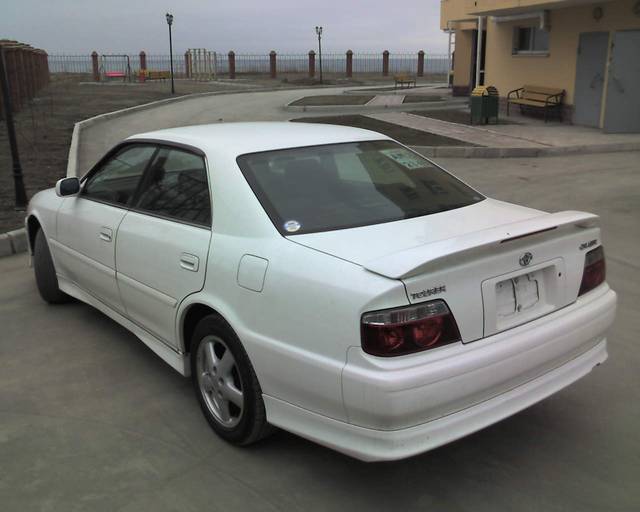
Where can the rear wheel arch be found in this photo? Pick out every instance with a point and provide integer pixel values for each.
(190, 318)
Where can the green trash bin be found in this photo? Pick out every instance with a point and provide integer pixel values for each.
(484, 105)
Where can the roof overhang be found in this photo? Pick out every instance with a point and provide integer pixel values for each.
(509, 7)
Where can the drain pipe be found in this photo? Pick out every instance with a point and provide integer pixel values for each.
(479, 49)
(449, 81)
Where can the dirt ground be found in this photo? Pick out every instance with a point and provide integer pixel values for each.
(45, 125)
(44, 129)
(403, 134)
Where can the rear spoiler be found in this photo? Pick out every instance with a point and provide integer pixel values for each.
(429, 257)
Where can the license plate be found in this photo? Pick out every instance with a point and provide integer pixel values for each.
(518, 294)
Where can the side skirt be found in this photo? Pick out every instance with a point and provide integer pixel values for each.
(173, 358)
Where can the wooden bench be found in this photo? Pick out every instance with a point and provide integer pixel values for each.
(537, 97)
(403, 79)
(150, 74)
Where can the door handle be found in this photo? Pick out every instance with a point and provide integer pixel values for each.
(106, 234)
(189, 262)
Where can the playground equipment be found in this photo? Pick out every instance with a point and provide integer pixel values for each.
(113, 66)
(203, 64)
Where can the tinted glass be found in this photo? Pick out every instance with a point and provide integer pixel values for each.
(337, 186)
(175, 186)
(116, 181)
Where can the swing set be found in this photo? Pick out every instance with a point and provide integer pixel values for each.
(114, 66)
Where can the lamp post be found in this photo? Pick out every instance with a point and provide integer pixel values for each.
(170, 22)
(21, 196)
(319, 33)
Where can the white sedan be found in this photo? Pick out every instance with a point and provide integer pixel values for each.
(327, 280)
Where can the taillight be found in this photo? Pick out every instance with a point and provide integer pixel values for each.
(399, 331)
(594, 272)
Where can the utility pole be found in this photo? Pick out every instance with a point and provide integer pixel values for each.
(21, 195)
(319, 33)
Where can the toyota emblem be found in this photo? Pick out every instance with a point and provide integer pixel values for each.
(525, 259)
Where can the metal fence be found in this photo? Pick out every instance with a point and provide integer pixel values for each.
(370, 63)
(69, 63)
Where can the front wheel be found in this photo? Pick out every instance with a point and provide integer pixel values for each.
(226, 384)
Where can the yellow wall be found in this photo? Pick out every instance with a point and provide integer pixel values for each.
(453, 10)
(463, 58)
(558, 69)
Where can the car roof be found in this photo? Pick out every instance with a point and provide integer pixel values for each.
(234, 139)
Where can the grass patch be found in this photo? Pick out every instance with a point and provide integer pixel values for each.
(402, 134)
(333, 99)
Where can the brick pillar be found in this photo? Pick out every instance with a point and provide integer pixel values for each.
(143, 60)
(312, 64)
(232, 64)
(96, 68)
(349, 64)
(385, 63)
(47, 75)
(187, 64)
(11, 60)
(272, 64)
(420, 63)
(27, 59)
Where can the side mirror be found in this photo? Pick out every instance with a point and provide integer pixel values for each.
(67, 187)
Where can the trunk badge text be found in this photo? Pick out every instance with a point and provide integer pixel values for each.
(431, 291)
(586, 245)
(525, 259)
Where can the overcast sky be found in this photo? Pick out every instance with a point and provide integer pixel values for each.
(79, 26)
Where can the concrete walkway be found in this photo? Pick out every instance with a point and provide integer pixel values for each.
(247, 106)
(530, 139)
(472, 134)
(386, 100)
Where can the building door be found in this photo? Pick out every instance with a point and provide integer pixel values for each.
(622, 110)
(590, 72)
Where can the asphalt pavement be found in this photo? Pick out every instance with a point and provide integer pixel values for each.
(90, 419)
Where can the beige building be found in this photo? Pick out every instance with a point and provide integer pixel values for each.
(589, 49)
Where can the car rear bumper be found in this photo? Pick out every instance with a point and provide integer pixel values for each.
(399, 408)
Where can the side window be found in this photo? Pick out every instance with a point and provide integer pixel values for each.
(116, 181)
(175, 186)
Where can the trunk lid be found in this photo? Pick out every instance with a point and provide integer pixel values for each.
(496, 265)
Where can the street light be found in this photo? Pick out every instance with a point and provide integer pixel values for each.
(170, 22)
(319, 32)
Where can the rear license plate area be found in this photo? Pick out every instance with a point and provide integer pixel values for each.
(522, 296)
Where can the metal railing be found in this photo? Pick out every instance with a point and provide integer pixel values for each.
(362, 63)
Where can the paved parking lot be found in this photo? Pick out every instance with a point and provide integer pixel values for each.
(90, 419)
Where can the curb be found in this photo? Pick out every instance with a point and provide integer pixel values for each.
(485, 152)
(368, 108)
(13, 242)
(72, 162)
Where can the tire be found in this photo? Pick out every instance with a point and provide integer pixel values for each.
(227, 389)
(45, 272)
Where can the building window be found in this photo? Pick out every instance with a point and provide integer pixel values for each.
(530, 40)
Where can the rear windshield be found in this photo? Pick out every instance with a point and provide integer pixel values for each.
(338, 186)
